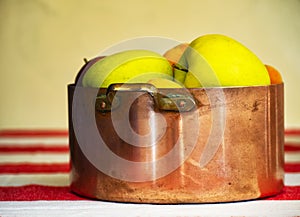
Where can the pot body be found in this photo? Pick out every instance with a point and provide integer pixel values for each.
(227, 147)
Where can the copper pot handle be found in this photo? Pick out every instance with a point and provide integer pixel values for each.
(171, 101)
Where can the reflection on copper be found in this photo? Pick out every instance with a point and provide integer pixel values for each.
(248, 164)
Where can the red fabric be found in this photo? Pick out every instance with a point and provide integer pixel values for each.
(30, 148)
(37, 192)
(288, 193)
(292, 167)
(63, 167)
(291, 147)
(40, 192)
(34, 168)
(292, 132)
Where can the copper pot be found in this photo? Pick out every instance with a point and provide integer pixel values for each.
(135, 143)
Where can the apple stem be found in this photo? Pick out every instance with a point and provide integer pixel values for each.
(85, 60)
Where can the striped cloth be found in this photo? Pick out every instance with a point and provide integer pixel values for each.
(34, 177)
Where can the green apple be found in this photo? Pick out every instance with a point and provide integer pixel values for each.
(84, 68)
(217, 60)
(179, 73)
(130, 66)
(164, 83)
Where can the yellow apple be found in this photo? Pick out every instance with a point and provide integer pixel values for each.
(131, 66)
(218, 60)
(164, 83)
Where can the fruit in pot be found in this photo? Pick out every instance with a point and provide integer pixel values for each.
(217, 60)
(84, 68)
(274, 74)
(131, 66)
(164, 83)
(179, 73)
(173, 56)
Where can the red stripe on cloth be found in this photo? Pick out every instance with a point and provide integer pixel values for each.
(33, 133)
(65, 167)
(292, 167)
(54, 133)
(34, 148)
(291, 147)
(292, 132)
(37, 192)
(34, 168)
(288, 193)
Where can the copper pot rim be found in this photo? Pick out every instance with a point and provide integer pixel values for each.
(194, 88)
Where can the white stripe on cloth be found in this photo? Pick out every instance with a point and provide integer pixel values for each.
(32, 141)
(292, 179)
(110, 209)
(292, 139)
(292, 157)
(35, 158)
(58, 179)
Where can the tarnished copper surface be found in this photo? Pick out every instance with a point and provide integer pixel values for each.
(247, 164)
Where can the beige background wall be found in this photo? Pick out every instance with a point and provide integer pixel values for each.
(43, 43)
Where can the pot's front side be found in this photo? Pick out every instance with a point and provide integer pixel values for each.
(227, 146)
